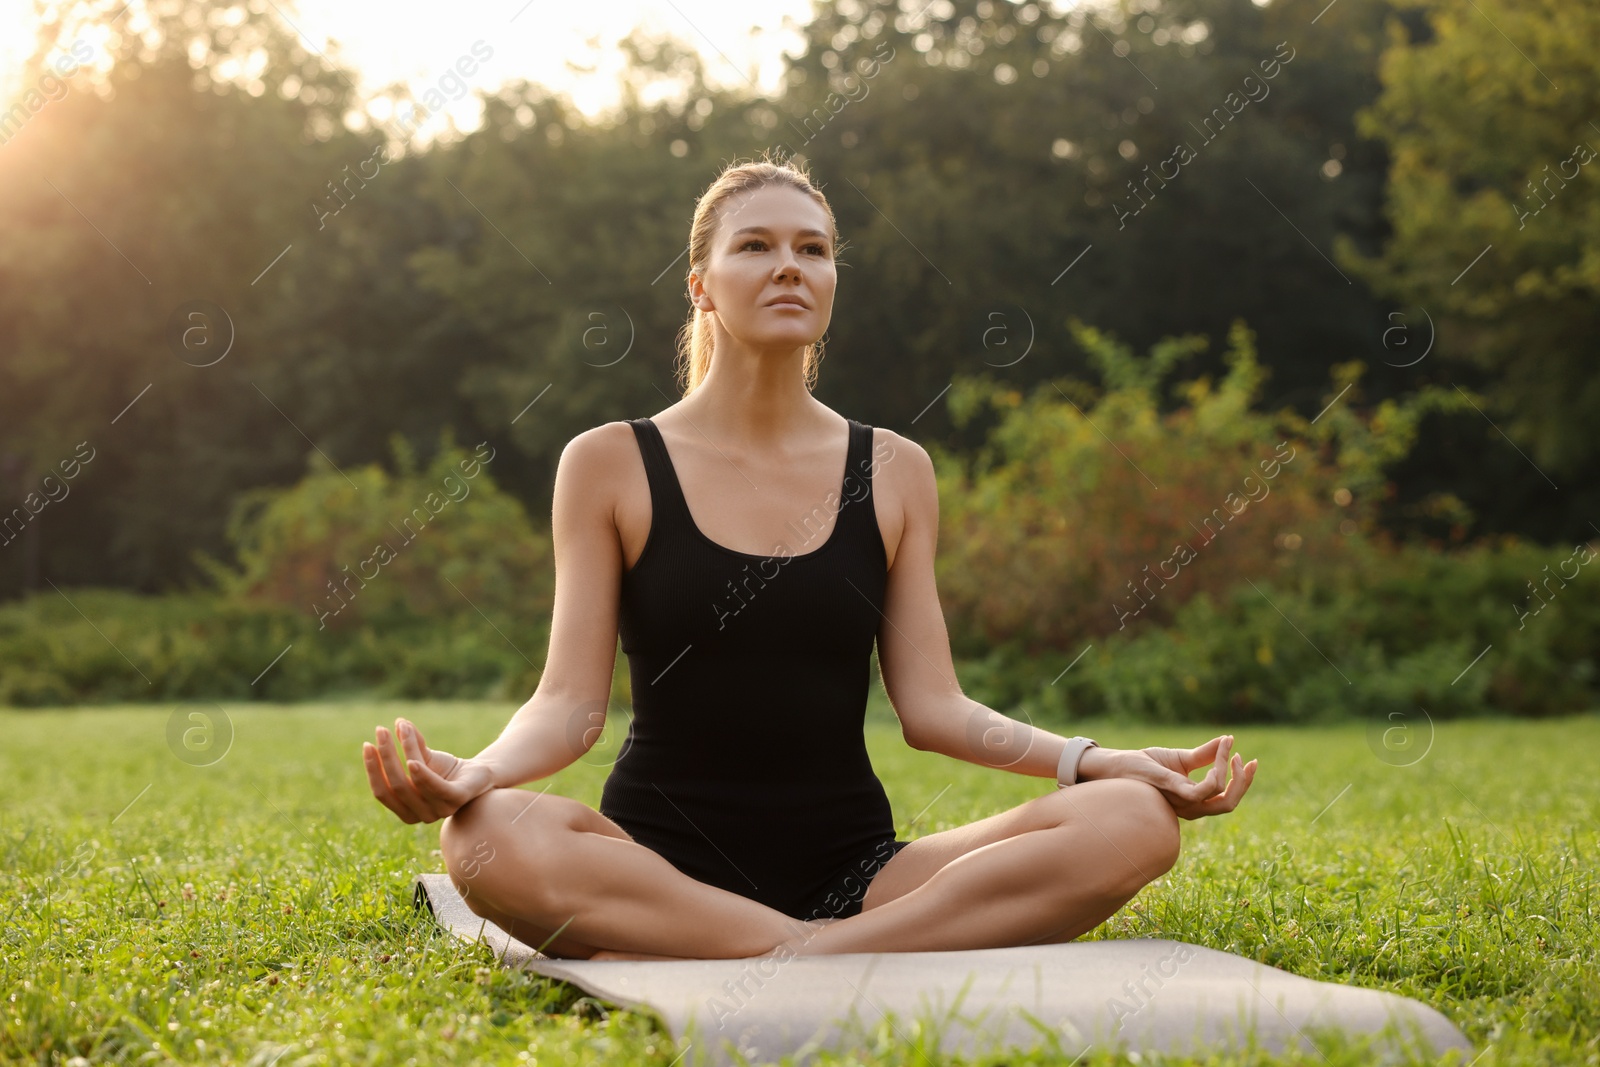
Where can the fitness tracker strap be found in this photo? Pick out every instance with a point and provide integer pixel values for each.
(1067, 769)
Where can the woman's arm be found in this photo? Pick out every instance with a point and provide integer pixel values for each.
(935, 716)
(913, 645)
(545, 735)
(983, 736)
(567, 711)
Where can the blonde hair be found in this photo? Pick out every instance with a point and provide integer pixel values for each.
(695, 338)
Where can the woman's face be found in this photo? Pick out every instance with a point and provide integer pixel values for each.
(770, 276)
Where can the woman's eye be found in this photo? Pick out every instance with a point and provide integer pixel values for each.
(820, 250)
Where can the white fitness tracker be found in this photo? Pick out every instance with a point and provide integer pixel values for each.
(1071, 755)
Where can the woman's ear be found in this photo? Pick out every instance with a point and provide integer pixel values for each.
(697, 293)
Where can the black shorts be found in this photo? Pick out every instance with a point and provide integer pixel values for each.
(841, 896)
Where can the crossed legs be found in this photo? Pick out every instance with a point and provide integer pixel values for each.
(554, 872)
(1049, 870)
(558, 875)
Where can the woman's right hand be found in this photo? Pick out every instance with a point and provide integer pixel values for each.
(439, 783)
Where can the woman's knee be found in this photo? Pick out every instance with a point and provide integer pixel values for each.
(1159, 833)
(482, 841)
(482, 832)
(1150, 826)
(469, 831)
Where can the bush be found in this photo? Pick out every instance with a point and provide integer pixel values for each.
(1393, 633)
(456, 607)
(1278, 598)
(200, 645)
(1077, 520)
(365, 545)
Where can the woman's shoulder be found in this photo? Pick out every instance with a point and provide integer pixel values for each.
(887, 444)
(600, 449)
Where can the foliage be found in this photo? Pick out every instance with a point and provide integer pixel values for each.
(361, 545)
(111, 645)
(261, 907)
(427, 582)
(1406, 635)
(234, 132)
(1074, 521)
(1490, 121)
(493, 281)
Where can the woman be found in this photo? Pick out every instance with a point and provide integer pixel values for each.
(743, 815)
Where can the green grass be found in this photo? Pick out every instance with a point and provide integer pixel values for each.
(258, 910)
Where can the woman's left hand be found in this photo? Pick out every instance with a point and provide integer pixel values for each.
(1168, 770)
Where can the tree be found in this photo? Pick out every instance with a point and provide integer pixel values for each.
(170, 180)
(1494, 202)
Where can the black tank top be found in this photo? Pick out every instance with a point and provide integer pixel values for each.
(745, 764)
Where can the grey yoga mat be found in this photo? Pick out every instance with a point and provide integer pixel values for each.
(1139, 995)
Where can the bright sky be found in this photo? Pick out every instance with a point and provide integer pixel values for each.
(417, 42)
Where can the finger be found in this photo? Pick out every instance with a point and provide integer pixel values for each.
(380, 784)
(1216, 779)
(427, 780)
(1247, 774)
(1158, 768)
(410, 740)
(1195, 758)
(1225, 758)
(1178, 784)
(416, 748)
(374, 767)
(1243, 775)
(1184, 788)
(399, 785)
(422, 746)
(435, 788)
(399, 795)
(1229, 798)
(375, 778)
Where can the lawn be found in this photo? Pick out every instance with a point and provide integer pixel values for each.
(257, 910)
